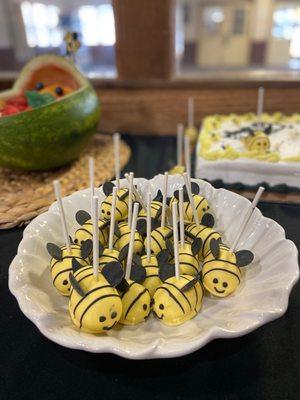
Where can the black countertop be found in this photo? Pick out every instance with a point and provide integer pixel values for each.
(264, 364)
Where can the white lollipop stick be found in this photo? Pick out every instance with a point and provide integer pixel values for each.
(131, 243)
(187, 155)
(180, 133)
(181, 217)
(175, 238)
(164, 200)
(137, 194)
(130, 186)
(117, 158)
(191, 199)
(95, 217)
(148, 243)
(112, 219)
(190, 112)
(63, 221)
(92, 178)
(260, 103)
(247, 216)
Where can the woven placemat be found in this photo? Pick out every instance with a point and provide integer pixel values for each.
(24, 195)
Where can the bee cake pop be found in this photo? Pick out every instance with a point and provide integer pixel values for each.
(123, 230)
(205, 234)
(98, 308)
(62, 260)
(83, 218)
(149, 261)
(188, 253)
(203, 215)
(179, 298)
(161, 233)
(110, 254)
(135, 297)
(221, 274)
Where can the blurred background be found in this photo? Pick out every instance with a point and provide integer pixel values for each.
(209, 35)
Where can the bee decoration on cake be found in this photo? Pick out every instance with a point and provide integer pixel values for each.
(63, 262)
(257, 141)
(85, 231)
(221, 273)
(136, 299)
(174, 302)
(98, 307)
(121, 203)
(201, 205)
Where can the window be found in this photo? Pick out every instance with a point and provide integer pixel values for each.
(238, 21)
(45, 24)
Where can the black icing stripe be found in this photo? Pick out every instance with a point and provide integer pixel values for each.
(85, 230)
(93, 302)
(160, 234)
(82, 270)
(87, 294)
(151, 276)
(182, 293)
(172, 297)
(205, 241)
(134, 301)
(61, 272)
(196, 293)
(108, 259)
(224, 270)
(65, 258)
(131, 284)
(201, 201)
(189, 265)
(217, 260)
(157, 242)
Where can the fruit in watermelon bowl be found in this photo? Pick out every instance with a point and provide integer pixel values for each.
(48, 116)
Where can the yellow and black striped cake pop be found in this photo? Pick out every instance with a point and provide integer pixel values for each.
(155, 207)
(98, 309)
(173, 304)
(122, 238)
(121, 202)
(201, 205)
(61, 263)
(205, 233)
(86, 229)
(221, 273)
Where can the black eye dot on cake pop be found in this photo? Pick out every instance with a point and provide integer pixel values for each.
(65, 282)
(82, 241)
(102, 318)
(102, 211)
(225, 284)
(113, 315)
(108, 212)
(75, 240)
(203, 209)
(161, 306)
(215, 280)
(145, 307)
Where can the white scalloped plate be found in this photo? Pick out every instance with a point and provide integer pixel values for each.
(262, 296)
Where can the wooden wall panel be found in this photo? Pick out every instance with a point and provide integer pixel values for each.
(144, 38)
(157, 111)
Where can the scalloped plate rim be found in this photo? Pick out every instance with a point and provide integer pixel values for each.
(154, 350)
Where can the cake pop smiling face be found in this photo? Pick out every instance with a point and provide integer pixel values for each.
(98, 309)
(121, 210)
(221, 273)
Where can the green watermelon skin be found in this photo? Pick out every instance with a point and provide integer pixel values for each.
(52, 135)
